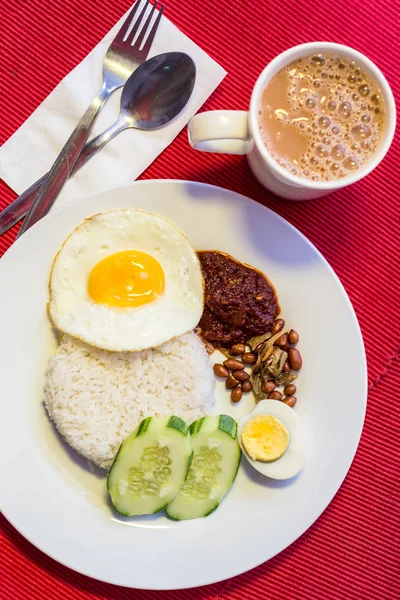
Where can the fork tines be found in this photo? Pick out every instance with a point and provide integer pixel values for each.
(131, 26)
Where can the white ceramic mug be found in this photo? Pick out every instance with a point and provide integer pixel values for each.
(237, 132)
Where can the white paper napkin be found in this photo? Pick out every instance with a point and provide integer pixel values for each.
(31, 151)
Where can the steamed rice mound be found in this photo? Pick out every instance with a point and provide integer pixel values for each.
(96, 398)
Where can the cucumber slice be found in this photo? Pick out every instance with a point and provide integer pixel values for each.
(150, 467)
(214, 466)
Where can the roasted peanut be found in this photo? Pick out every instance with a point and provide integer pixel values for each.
(286, 367)
(258, 348)
(233, 364)
(290, 401)
(220, 370)
(294, 358)
(246, 386)
(282, 341)
(290, 389)
(241, 375)
(293, 336)
(236, 394)
(275, 396)
(249, 358)
(231, 383)
(238, 349)
(267, 387)
(277, 326)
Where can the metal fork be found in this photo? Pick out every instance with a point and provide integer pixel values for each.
(122, 57)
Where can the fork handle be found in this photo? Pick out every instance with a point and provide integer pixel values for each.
(63, 166)
(20, 206)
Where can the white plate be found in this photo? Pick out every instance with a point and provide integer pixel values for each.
(50, 496)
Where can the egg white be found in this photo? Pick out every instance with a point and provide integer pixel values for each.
(292, 461)
(175, 312)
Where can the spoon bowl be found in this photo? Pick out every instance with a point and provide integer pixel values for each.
(158, 90)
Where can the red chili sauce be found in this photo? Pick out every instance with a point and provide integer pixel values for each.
(240, 302)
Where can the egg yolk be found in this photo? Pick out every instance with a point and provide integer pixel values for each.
(130, 278)
(265, 438)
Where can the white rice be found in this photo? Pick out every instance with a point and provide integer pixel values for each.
(97, 398)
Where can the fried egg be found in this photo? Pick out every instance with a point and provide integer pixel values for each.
(126, 280)
(272, 439)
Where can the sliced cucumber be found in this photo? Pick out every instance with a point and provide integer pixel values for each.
(214, 466)
(150, 467)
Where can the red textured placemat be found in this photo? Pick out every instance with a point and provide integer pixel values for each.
(353, 550)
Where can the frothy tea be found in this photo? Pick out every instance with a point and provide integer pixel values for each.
(322, 117)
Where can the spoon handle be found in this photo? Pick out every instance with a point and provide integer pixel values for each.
(20, 206)
(65, 162)
(98, 143)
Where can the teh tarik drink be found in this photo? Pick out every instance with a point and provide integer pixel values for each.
(322, 117)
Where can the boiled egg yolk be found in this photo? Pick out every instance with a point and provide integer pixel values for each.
(126, 279)
(265, 438)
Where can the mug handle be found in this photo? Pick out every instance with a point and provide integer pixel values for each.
(222, 131)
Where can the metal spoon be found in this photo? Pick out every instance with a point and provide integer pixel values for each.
(154, 94)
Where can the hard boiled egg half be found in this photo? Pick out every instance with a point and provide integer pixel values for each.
(272, 439)
(126, 280)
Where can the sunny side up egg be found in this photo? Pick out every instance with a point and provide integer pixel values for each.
(126, 280)
(272, 439)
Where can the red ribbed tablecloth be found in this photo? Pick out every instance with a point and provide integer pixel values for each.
(353, 550)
